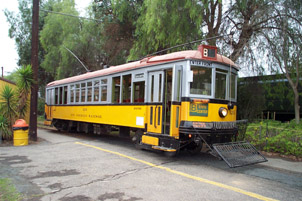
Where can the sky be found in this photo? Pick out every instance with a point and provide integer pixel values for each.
(8, 51)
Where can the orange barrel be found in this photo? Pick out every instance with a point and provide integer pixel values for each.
(20, 133)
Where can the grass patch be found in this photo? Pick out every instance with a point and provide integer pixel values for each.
(8, 191)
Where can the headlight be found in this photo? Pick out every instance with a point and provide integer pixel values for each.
(223, 112)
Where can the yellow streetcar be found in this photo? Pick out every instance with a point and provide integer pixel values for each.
(181, 100)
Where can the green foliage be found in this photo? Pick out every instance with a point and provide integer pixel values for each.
(274, 136)
(59, 32)
(8, 191)
(164, 24)
(8, 106)
(41, 106)
(24, 82)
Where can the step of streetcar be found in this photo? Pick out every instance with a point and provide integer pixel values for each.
(164, 148)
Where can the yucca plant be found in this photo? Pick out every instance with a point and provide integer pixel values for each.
(8, 105)
(24, 82)
(5, 132)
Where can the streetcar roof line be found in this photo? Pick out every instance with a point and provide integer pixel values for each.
(175, 56)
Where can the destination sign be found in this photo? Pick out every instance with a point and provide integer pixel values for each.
(199, 109)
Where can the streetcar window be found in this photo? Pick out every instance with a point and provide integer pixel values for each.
(65, 95)
(116, 87)
(77, 93)
(104, 90)
(178, 86)
(138, 92)
(61, 96)
(83, 92)
(96, 90)
(232, 86)
(56, 95)
(104, 93)
(152, 87)
(220, 84)
(51, 96)
(71, 93)
(126, 88)
(202, 81)
(89, 91)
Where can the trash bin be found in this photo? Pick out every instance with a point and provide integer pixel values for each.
(20, 133)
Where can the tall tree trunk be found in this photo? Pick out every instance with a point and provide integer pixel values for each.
(297, 106)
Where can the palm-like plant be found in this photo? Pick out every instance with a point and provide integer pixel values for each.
(4, 128)
(24, 82)
(8, 105)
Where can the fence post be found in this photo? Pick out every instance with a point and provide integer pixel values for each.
(266, 135)
(260, 130)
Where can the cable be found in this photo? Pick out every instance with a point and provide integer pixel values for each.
(70, 15)
(189, 43)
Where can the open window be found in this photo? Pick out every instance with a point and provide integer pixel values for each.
(138, 92)
(126, 89)
(65, 95)
(83, 92)
(72, 91)
(116, 88)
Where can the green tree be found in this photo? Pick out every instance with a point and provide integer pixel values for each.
(60, 32)
(163, 24)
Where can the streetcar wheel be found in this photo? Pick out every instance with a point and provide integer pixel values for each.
(195, 149)
(137, 139)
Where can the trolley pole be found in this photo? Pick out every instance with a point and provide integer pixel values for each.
(35, 65)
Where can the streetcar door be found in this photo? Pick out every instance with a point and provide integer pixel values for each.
(175, 106)
(155, 100)
(172, 100)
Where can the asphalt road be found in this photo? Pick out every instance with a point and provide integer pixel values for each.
(78, 167)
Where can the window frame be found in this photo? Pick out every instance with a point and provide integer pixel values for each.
(212, 81)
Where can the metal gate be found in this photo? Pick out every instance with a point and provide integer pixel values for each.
(237, 154)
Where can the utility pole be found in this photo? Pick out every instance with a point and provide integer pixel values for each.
(35, 65)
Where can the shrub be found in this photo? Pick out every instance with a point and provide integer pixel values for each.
(274, 136)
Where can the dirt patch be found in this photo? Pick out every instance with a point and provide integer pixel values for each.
(11, 160)
(76, 198)
(56, 173)
(55, 186)
(117, 196)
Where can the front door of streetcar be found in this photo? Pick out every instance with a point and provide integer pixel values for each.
(155, 100)
(171, 101)
(164, 98)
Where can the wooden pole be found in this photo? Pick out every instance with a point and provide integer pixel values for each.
(35, 66)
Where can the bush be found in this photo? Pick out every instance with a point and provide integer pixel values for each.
(274, 136)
